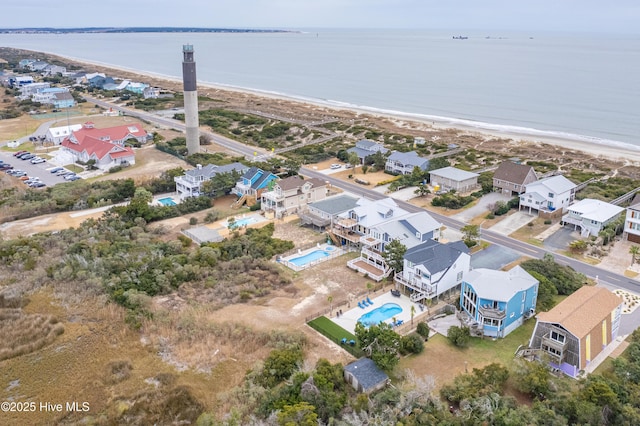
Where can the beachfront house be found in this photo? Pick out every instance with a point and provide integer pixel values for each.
(403, 163)
(632, 221)
(432, 269)
(548, 197)
(322, 213)
(364, 376)
(591, 216)
(28, 90)
(370, 225)
(251, 185)
(190, 184)
(52, 70)
(451, 178)
(512, 178)
(37, 66)
(292, 194)
(20, 80)
(576, 331)
(497, 302)
(365, 148)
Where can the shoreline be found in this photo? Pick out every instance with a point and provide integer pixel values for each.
(616, 151)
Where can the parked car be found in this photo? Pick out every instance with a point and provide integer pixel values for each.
(6, 166)
(69, 176)
(24, 177)
(32, 180)
(56, 169)
(37, 160)
(28, 156)
(336, 166)
(38, 185)
(19, 153)
(19, 173)
(72, 178)
(63, 172)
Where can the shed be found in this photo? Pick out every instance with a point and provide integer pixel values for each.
(365, 376)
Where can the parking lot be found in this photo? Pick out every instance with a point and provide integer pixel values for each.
(33, 170)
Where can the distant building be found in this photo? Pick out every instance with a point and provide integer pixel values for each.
(292, 194)
(632, 221)
(512, 179)
(403, 163)
(549, 195)
(365, 148)
(448, 178)
(189, 184)
(591, 216)
(58, 134)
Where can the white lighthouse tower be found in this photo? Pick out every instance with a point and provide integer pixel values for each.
(190, 100)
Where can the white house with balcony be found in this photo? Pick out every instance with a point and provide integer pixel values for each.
(548, 195)
(190, 184)
(590, 216)
(632, 221)
(373, 224)
(403, 163)
(433, 268)
(292, 194)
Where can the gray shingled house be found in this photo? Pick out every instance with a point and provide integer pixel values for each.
(365, 376)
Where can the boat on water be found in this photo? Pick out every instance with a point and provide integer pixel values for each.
(460, 37)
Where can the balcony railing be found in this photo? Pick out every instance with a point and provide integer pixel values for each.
(493, 313)
(552, 343)
(416, 285)
(352, 236)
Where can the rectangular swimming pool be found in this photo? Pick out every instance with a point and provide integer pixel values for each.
(241, 222)
(309, 257)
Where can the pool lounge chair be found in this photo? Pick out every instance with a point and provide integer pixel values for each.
(360, 305)
(343, 341)
(369, 301)
(364, 302)
(399, 322)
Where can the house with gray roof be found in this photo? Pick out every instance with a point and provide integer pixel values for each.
(448, 178)
(549, 195)
(497, 302)
(364, 376)
(291, 195)
(252, 183)
(366, 147)
(403, 163)
(433, 268)
(189, 184)
(322, 213)
(512, 178)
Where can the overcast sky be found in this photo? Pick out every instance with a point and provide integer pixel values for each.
(619, 16)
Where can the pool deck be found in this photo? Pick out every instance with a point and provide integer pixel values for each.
(333, 250)
(349, 318)
(257, 218)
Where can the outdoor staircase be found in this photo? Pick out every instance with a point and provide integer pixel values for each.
(335, 239)
(239, 202)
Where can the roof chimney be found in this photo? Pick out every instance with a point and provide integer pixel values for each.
(199, 166)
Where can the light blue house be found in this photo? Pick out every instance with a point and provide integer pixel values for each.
(253, 182)
(403, 163)
(498, 302)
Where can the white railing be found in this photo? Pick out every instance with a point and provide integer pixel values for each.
(332, 255)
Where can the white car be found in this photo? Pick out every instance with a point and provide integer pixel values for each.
(336, 166)
(37, 160)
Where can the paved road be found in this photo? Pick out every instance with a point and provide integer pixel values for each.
(247, 151)
(613, 279)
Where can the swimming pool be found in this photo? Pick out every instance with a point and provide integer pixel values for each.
(242, 222)
(309, 257)
(168, 201)
(380, 314)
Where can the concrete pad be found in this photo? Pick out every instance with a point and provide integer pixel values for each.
(482, 206)
(441, 325)
(349, 318)
(512, 223)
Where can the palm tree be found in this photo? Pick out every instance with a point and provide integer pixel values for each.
(330, 300)
(369, 287)
(634, 251)
(413, 312)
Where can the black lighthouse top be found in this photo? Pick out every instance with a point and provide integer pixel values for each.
(188, 68)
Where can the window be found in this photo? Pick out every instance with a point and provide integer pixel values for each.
(551, 195)
(557, 337)
(459, 277)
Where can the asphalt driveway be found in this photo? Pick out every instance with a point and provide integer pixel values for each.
(494, 257)
(560, 239)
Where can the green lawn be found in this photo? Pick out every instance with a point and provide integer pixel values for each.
(335, 333)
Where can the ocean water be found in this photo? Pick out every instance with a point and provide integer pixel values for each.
(583, 86)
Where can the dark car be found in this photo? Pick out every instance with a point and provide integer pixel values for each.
(19, 153)
(38, 185)
(6, 166)
(27, 156)
(56, 169)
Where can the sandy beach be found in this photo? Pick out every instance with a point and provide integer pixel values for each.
(497, 138)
